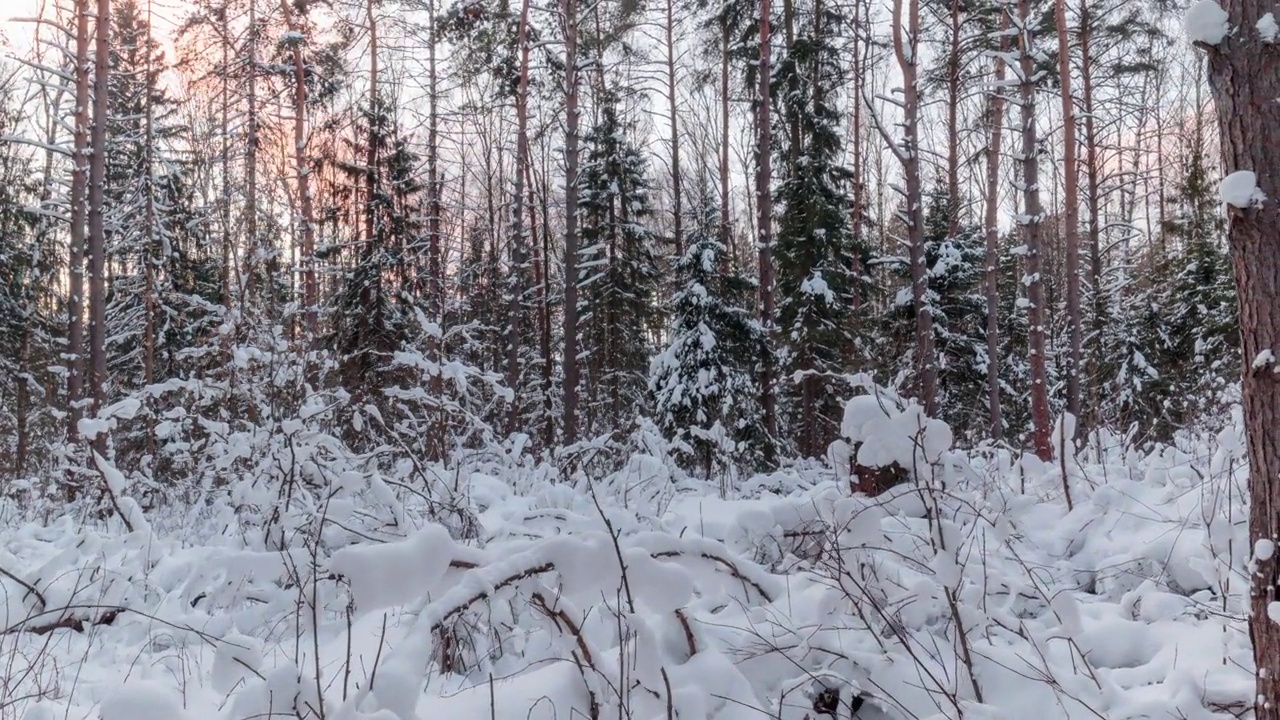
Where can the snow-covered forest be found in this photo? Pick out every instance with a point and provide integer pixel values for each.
(584, 359)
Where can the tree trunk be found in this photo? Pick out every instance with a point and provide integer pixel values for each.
(1070, 216)
(725, 229)
(991, 273)
(1244, 75)
(224, 270)
(954, 60)
(79, 193)
(435, 253)
(1093, 202)
(307, 219)
(519, 237)
(764, 219)
(676, 200)
(1032, 214)
(570, 9)
(253, 242)
(906, 50)
(97, 245)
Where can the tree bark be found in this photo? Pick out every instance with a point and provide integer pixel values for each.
(676, 200)
(1030, 221)
(764, 220)
(570, 436)
(306, 211)
(954, 60)
(1070, 215)
(1244, 76)
(1093, 202)
(991, 260)
(253, 242)
(97, 244)
(519, 236)
(725, 229)
(905, 48)
(79, 193)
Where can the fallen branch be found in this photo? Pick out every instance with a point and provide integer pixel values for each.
(30, 588)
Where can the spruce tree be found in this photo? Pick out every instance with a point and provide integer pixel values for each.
(617, 270)
(1201, 332)
(816, 250)
(703, 383)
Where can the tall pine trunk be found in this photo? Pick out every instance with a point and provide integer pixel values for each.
(1093, 203)
(570, 9)
(1032, 214)
(725, 229)
(519, 236)
(991, 271)
(764, 220)
(906, 48)
(1244, 76)
(1070, 215)
(97, 245)
(676, 199)
(306, 212)
(79, 207)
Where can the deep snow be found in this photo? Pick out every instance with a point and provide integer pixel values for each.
(970, 592)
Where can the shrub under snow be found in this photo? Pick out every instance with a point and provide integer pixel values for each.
(634, 592)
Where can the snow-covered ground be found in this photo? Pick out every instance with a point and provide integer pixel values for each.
(972, 591)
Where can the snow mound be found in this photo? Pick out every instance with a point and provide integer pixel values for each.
(142, 700)
(1268, 28)
(1206, 22)
(1240, 189)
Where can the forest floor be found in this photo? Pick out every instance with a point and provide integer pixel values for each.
(638, 592)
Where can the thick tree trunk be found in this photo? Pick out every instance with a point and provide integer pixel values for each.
(97, 245)
(905, 48)
(1032, 215)
(991, 227)
(764, 220)
(570, 9)
(79, 194)
(1244, 75)
(1070, 215)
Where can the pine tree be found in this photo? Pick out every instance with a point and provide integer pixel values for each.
(618, 271)
(703, 383)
